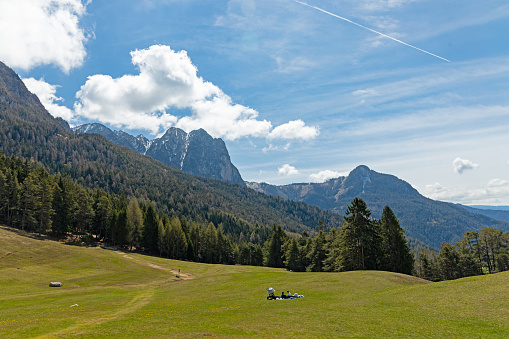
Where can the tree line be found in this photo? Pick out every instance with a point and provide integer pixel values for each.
(476, 253)
(34, 201)
(361, 243)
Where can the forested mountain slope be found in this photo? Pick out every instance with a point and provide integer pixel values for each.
(28, 130)
(424, 219)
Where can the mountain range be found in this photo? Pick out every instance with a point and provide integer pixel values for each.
(424, 219)
(27, 130)
(195, 153)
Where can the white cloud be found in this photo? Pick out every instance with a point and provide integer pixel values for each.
(46, 93)
(287, 170)
(42, 32)
(498, 183)
(495, 192)
(460, 165)
(323, 176)
(296, 129)
(167, 80)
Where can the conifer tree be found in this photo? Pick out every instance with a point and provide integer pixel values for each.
(64, 205)
(178, 240)
(13, 192)
(359, 239)
(210, 244)
(274, 253)
(46, 211)
(317, 255)
(102, 210)
(134, 224)
(292, 256)
(396, 255)
(29, 203)
(150, 225)
(84, 213)
(161, 238)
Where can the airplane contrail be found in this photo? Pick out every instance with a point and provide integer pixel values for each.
(369, 29)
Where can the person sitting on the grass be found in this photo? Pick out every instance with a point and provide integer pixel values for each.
(288, 294)
(283, 296)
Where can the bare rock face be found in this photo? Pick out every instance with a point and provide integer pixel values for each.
(195, 153)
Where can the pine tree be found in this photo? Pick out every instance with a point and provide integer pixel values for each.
(396, 255)
(84, 213)
(210, 244)
(150, 225)
(161, 238)
(102, 210)
(65, 207)
(317, 255)
(13, 193)
(360, 239)
(134, 224)
(292, 256)
(29, 203)
(178, 240)
(274, 253)
(46, 211)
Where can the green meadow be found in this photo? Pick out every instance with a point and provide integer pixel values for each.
(111, 294)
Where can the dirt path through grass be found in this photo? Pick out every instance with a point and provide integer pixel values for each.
(183, 276)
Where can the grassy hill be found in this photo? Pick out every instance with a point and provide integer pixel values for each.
(129, 295)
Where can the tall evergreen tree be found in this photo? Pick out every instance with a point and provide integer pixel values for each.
(84, 213)
(150, 225)
(360, 239)
(274, 253)
(210, 244)
(396, 255)
(178, 248)
(318, 253)
(102, 210)
(29, 203)
(46, 211)
(292, 260)
(65, 207)
(134, 224)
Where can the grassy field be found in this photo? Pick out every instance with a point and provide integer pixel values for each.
(125, 295)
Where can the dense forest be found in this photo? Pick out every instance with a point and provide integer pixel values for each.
(34, 201)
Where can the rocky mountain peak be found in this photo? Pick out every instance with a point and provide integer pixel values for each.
(195, 153)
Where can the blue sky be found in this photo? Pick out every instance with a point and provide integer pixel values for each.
(297, 94)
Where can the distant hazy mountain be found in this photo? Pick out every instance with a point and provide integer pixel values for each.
(424, 219)
(495, 212)
(195, 153)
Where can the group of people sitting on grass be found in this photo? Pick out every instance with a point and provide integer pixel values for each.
(288, 295)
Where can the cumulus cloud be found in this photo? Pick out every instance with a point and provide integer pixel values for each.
(323, 176)
(168, 80)
(46, 93)
(287, 170)
(42, 32)
(461, 165)
(295, 129)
